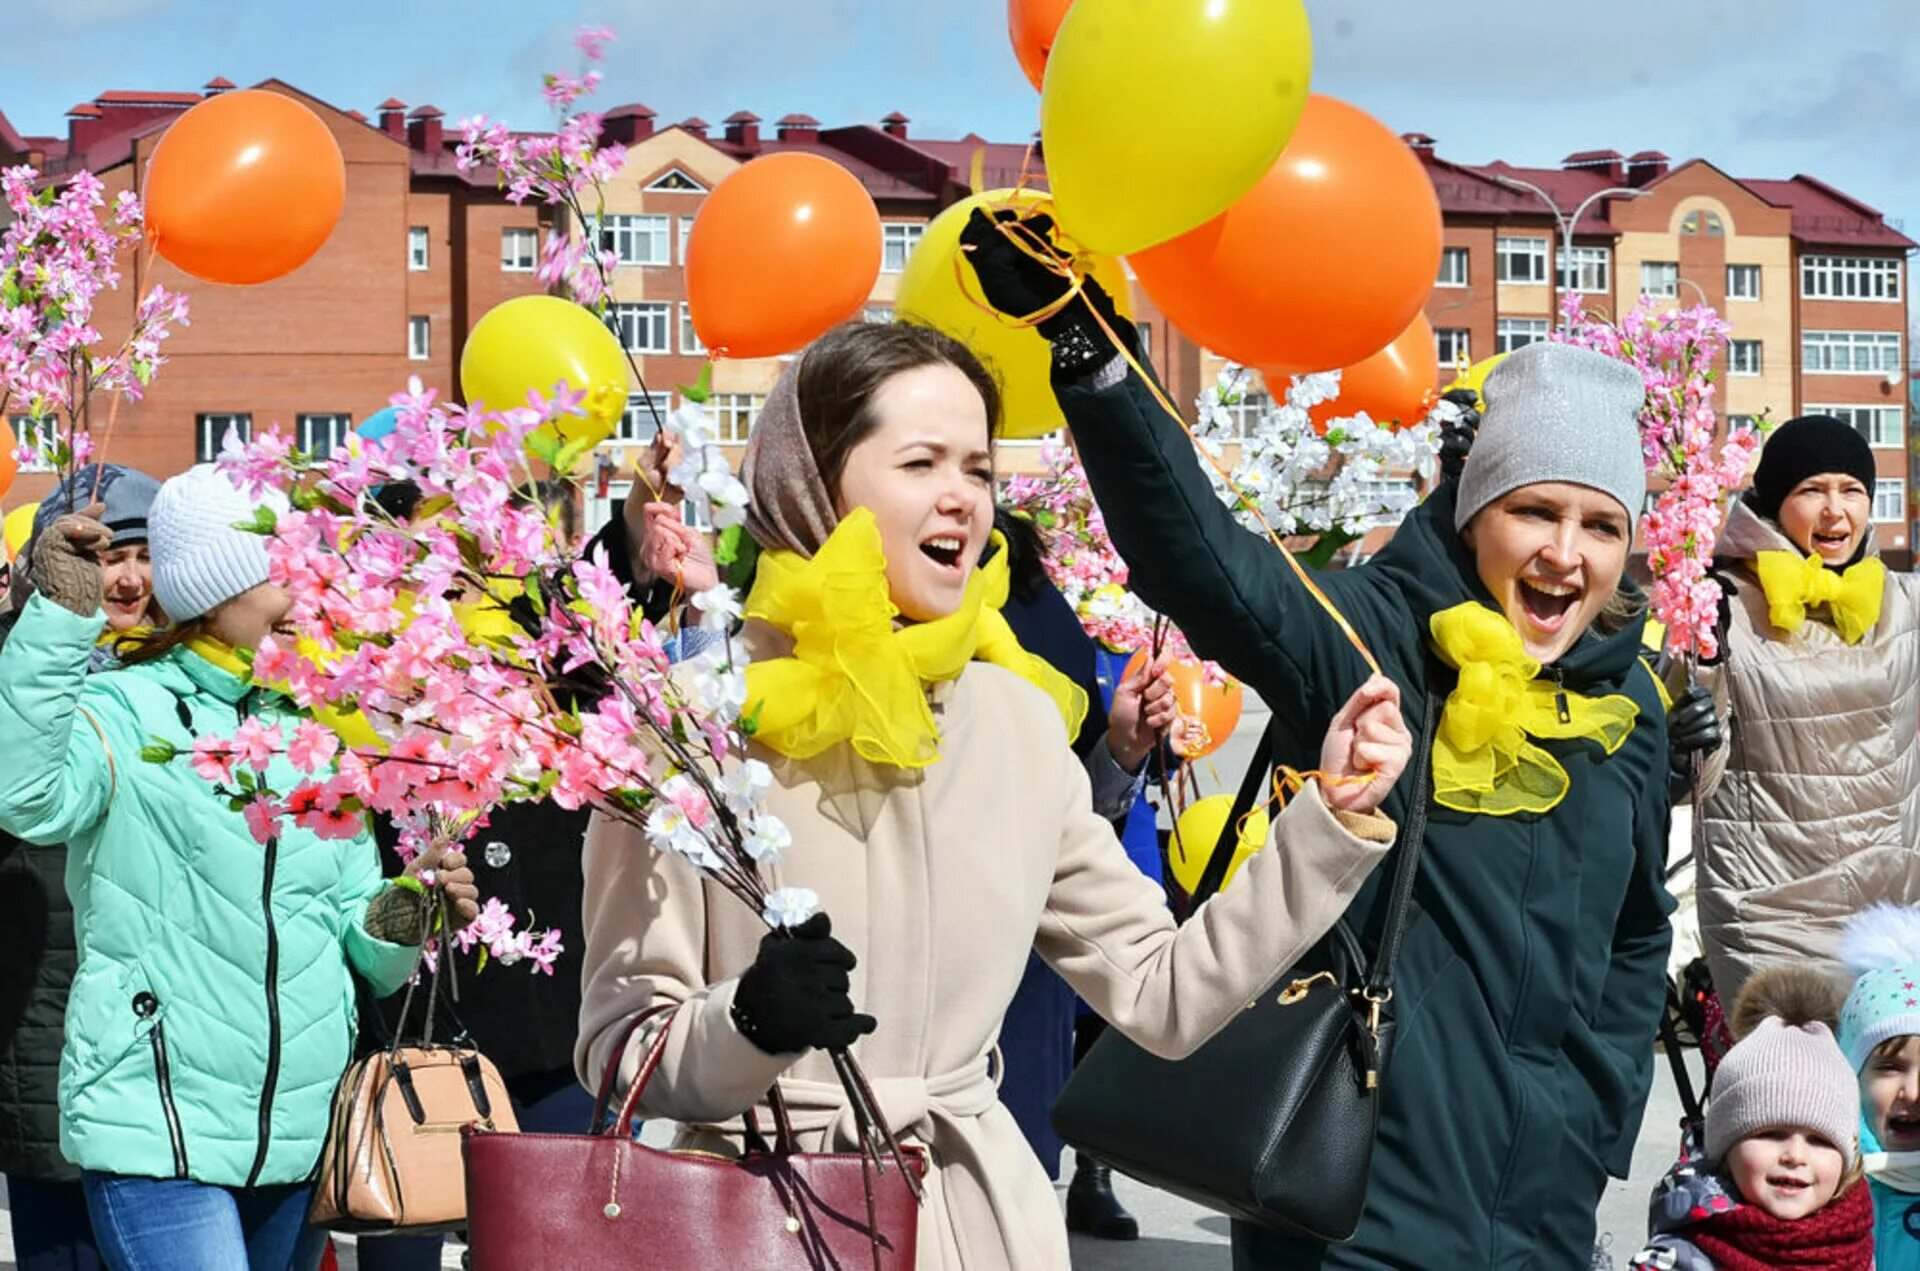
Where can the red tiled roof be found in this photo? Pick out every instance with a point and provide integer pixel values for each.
(894, 117)
(427, 112)
(1591, 156)
(85, 110)
(878, 182)
(999, 169)
(633, 110)
(695, 123)
(392, 103)
(1823, 215)
(127, 98)
(218, 81)
(1567, 189)
(797, 121)
(743, 117)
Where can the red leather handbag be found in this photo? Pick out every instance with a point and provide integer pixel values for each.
(603, 1200)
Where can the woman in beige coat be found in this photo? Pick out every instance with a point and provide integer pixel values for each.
(940, 867)
(1811, 810)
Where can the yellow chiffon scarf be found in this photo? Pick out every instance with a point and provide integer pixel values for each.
(1483, 758)
(351, 727)
(855, 677)
(1794, 584)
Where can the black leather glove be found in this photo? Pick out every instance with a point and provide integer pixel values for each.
(795, 995)
(1456, 436)
(1693, 728)
(1017, 285)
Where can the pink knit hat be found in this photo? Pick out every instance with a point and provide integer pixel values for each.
(1784, 1075)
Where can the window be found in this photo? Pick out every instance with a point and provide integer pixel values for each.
(210, 431)
(1249, 411)
(1143, 334)
(643, 327)
(637, 240)
(736, 412)
(1659, 278)
(689, 338)
(686, 229)
(419, 339)
(1743, 357)
(1889, 499)
(1703, 222)
(1587, 269)
(1849, 278)
(897, 239)
(876, 313)
(416, 248)
(1454, 345)
(1743, 282)
(674, 181)
(1882, 426)
(1743, 421)
(320, 435)
(1850, 352)
(519, 249)
(1453, 267)
(1521, 259)
(638, 425)
(1517, 333)
(28, 431)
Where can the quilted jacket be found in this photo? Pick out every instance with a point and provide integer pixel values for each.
(213, 1009)
(1812, 808)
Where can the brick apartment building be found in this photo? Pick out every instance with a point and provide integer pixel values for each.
(1814, 282)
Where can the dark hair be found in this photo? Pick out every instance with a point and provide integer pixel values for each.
(1026, 551)
(135, 647)
(845, 368)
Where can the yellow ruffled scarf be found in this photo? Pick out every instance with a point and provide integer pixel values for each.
(1794, 584)
(1483, 760)
(855, 677)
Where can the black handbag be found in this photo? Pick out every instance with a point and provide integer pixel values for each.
(1273, 1120)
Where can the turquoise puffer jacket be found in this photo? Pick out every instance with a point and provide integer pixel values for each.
(213, 1010)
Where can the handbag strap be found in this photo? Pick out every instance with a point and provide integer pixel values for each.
(1252, 785)
(1413, 837)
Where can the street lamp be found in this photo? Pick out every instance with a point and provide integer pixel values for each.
(1567, 224)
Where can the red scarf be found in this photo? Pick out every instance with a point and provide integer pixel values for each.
(1837, 1237)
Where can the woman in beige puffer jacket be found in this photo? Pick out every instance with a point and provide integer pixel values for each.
(1811, 810)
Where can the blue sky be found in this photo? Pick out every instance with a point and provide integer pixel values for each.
(1761, 87)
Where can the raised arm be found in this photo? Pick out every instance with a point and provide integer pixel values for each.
(59, 776)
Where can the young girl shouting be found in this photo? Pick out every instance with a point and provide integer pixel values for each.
(1780, 1182)
(1880, 1033)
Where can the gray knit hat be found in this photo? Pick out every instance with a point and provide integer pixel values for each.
(126, 496)
(200, 560)
(1556, 412)
(1785, 1075)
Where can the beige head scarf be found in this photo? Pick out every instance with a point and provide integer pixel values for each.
(789, 508)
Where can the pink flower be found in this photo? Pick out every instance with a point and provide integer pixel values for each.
(213, 759)
(313, 747)
(263, 814)
(256, 743)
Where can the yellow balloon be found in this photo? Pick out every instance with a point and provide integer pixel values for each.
(1198, 830)
(933, 293)
(536, 342)
(18, 527)
(1475, 377)
(1158, 114)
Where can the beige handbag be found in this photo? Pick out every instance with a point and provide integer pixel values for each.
(392, 1159)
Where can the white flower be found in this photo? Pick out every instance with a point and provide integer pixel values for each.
(790, 906)
(719, 688)
(719, 607)
(768, 838)
(746, 785)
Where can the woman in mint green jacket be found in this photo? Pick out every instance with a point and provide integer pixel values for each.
(213, 1010)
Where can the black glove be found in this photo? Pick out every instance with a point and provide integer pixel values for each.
(794, 996)
(1693, 728)
(1456, 436)
(1016, 284)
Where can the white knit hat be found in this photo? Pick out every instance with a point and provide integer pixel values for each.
(200, 558)
(1786, 1075)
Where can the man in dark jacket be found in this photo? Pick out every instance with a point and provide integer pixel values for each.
(37, 954)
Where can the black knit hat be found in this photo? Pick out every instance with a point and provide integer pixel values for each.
(1802, 448)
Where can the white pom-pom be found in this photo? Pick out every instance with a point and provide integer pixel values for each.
(1879, 937)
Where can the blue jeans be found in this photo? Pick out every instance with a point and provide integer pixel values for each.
(51, 1230)
(543, 1103)
(167, 1224)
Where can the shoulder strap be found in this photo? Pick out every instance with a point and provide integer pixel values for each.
(1413, 836)
(113, 773)
(1252, 786)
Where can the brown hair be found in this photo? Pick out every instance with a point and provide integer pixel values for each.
(136, 647)
(844, 370)
(1890, 1048)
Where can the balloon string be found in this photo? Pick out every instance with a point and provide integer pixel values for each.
(1038, 248)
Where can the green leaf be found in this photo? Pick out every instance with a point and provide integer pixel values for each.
(481, 964)
(726, 548)
(159, 750)
(702, 389)
(750, 721)
(567, 458)
(263, 522)
(237, 804)
(545, 447)
(534, 594)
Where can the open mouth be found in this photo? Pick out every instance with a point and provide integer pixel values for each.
(1548, 604)
(1831, 542)
(944, 550)
(1904, 1130)
(1788, 1187)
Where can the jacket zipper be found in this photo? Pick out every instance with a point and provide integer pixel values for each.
(163, 1076)
(273, 1017)
(1560, 703)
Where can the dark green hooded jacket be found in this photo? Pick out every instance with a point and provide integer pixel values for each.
(1530, 984)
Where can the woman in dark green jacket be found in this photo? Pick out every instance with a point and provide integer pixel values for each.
(1530, 984)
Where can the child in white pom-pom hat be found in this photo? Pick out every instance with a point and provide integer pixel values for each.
(1880, 1033)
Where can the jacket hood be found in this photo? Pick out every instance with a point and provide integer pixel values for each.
(1687, 1196)
(1435, 571)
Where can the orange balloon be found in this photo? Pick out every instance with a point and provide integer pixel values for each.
(783, 249)
(1208, 712)
(1322, 263)
(9, 468)
(1394, 386)
(1033, 24)
(244, 188)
